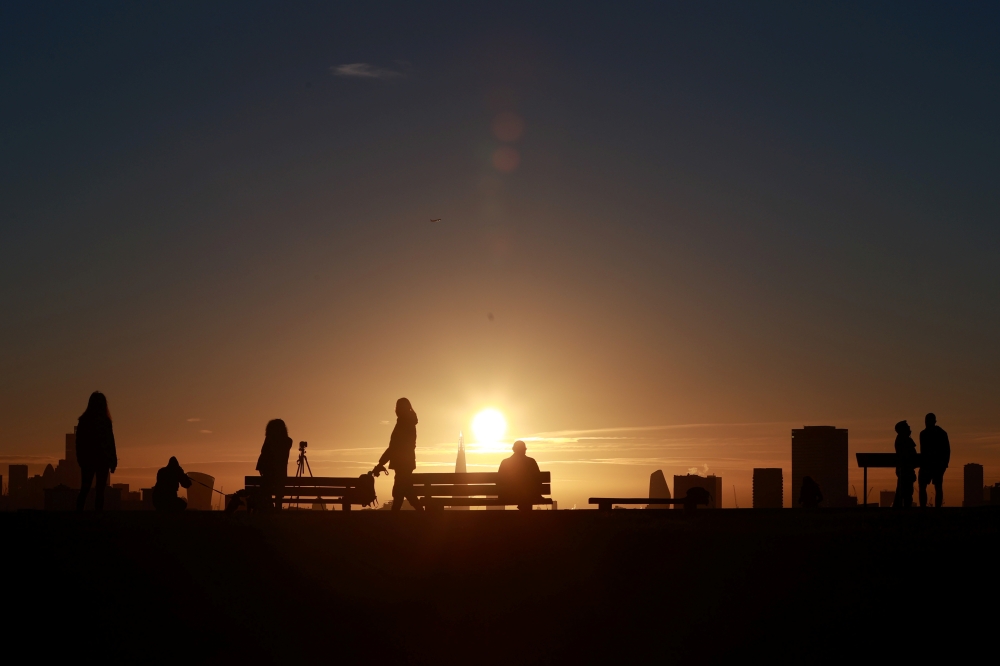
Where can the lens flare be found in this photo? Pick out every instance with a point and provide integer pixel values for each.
(489, 426)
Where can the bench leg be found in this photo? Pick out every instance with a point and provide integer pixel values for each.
(604, 506)
(346, 506)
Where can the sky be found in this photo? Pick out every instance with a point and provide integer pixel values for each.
(668, 233)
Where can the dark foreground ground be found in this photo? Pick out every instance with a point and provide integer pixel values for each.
(501, 588)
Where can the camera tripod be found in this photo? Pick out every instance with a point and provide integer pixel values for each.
(302, 467)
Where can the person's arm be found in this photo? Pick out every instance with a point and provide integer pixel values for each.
(946, 445)
(183, 478)
(113, 452)
(386, 457)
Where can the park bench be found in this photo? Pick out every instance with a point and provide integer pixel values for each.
(689, 502)
(324, 490)
(438, 490)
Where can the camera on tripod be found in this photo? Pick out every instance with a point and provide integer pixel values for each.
(302, 446)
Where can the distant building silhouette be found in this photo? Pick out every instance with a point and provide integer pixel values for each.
(820, 452)
(886, 498)
(127, 496)
(711, 483)
(768, 488)
(460, 466)
(993, 493)
(68, 469)
(17, 478)
(658, 488)
(973, 473)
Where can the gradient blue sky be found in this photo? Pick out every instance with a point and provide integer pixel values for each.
(724, 221)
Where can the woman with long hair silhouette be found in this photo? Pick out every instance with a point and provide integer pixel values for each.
(273, 461)
(95, 450)
(402, 456)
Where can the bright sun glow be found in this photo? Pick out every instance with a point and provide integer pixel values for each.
(489, 426)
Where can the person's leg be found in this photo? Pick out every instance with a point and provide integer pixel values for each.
(180, 505)
(397, 492)
(938, 492)
(279, 494)
(101, 481)
(86, 478)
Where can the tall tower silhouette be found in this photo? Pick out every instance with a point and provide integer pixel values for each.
(460, 464)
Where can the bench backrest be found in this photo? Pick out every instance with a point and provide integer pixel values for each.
(470, 484)
(312, 486)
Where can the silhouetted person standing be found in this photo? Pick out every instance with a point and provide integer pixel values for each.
(519, 479)
(168, 481)
(810, 496)
(273, 461)
(906, 452)
(935, 454)
(402, 456)
(95, 449)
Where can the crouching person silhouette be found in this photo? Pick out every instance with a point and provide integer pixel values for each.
(519, 479)
(273, 463)
(810, 496)
(168, 481)
(402, 456)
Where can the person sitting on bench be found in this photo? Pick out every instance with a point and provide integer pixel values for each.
(168, 481)
(519, 479)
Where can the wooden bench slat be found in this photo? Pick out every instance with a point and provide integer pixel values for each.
(478, 501)
(466, 491)
(305, 481)
(451, 478)
(634, 500)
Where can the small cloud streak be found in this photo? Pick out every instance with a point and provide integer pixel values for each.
(362, 70)
(193, 420)
(206, 432)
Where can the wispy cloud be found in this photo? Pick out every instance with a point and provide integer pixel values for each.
(193, 420)
(207, 432)
(363, 70)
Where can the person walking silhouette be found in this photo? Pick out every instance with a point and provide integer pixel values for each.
(906, 458)
(95, 450)
(935, 454)
(273, 462)
(402, 456)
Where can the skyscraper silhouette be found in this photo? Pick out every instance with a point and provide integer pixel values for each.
(460, 465)
(820, 452)
(973, 474)
(658, 488)
(17, 478)
(768, 488)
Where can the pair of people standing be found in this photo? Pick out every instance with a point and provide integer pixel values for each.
(401, 457)
(935, 454)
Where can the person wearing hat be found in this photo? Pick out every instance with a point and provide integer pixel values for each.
(906, 460)
(520, 479)
(168, 481)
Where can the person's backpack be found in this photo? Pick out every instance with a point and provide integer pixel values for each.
(364, 494)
